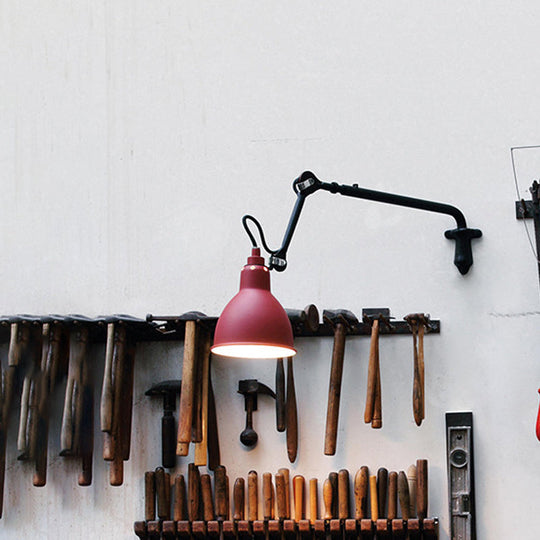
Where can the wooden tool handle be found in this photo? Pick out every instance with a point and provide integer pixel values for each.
(180, 498)
(214, 458)
(22, 445)
(538, 421)
(372, 372)
(411, 478)
(382, 486)
(418, 380)
(252, 496)
(281, 496)
(361, 483)
(201, 448)
(127, 398)
(313, 500)
(188, 381)
(267, 496)
(376, 420)
(194, 492)
(239, 498)
(392, 495)
(299, 486)
(118, 370)
(285, 472)
(343, 494)
(333, 477)
(208, 504)
(221, 492)
(280, 396)
(328, 496)
(422, 488)
(334, 390)
(291, 414)
(403, 495)
(373, 498)
(149, 496)
(106, 406)
(163, 510)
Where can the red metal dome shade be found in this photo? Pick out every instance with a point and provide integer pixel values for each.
(254, 324)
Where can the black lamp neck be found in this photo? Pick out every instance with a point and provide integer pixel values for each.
(307, 183)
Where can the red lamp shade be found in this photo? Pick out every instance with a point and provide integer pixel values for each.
(253, 324)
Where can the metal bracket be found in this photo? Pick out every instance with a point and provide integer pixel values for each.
(460, 461)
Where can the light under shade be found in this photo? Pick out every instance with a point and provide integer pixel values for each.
(254, 324)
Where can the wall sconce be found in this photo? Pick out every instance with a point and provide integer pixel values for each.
(254, 324)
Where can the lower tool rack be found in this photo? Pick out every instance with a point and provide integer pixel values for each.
(289, 529)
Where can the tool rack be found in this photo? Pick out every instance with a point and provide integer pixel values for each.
(171, 328)
(336, 529)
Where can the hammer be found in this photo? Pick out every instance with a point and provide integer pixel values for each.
(308, 318)
(168, 390)
(341, 321)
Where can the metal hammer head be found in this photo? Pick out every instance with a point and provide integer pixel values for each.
(167, 389)
(340, 316)
(307, 318)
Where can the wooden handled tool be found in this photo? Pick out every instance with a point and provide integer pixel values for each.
(328, 496)
(221, 493)
(299, 487)
(285, 472)
(162, 488)
(280, 396)
(180, 513)
(281, 496)
(268, 502)
(403, 495)
(333, 477)
(343, 494)
(149, 496)
(207, 502)
(201, 448)
(382, 487)
(214, 458)
(392, 495)
(416, 322)
(239, 499)
(361, 486)
(373, 498)
(313, 500)
(194, 493)
(411, 478)
(291, 413)
(372, 373)
(106, 406)
(86, 431)
(338, 320)
(422, 488)
(188, 383)
(252, 496)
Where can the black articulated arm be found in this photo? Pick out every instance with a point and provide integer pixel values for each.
(308, 183)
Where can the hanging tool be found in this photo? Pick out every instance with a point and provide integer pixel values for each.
(341, 321)
(304, 320)
(249, 388)
(382, 490)
(392, 494)
(418, 323)
(281, 422)
(168, 390)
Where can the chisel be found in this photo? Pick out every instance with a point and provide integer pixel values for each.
(403, 495)
(206, 491)
(411, 478)
(382, 487)
(343, 494)
(361, 486)
(239, 499)
(392, 495)
(268, 502)
(299, 486)
(194, 493)
(179, 498)
(373, 498)
(422, 488)
(252, 496)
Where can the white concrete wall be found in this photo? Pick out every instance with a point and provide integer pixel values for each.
(133, 137)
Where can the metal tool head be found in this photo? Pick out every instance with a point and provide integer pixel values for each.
(340, 316)
(165, 387)
(168, 390)
(253, 386)
(307, 318)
